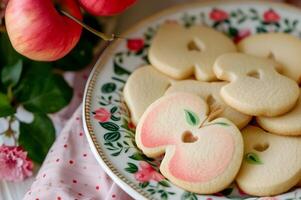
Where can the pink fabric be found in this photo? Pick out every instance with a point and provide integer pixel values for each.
(70, 171)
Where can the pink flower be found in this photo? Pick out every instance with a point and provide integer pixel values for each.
(102, 115)
(270, 16)
(147, 173)
(268, 198)
(135, 44)
(218, 15)
(14, 163)
(243, 33)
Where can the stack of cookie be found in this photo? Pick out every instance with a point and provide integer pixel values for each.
(196, 102)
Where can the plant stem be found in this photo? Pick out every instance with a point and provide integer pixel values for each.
(213, 113)
(10, 92)
(10, 132)
(92, 30)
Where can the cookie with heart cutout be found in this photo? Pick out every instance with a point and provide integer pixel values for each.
(210, 92)
(201, 156)
(255, 87)
(272, 163)
(143, 87)
(286, 124)
(182, 52)
(282, 47)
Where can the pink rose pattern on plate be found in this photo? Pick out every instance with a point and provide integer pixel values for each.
(147, 173)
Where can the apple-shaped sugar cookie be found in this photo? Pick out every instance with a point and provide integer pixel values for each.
(284, 48)
(272, 163)
(182, 52)
(200, 156)
(255, 87)
(287, 124)
(143, 87)
(210, 92)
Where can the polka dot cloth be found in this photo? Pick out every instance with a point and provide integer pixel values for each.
(71, 172)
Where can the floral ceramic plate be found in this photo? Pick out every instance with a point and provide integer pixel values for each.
(108, 126)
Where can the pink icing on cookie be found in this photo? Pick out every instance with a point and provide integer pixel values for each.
(199, 156)
(203, 168)
(159, 135)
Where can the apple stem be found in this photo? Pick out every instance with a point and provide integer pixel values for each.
(215, 111)
(92, 30)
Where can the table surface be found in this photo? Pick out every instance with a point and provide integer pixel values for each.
(16, 191)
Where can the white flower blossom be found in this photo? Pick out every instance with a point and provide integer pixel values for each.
(13, 123)
(3, 125)
(24, 115)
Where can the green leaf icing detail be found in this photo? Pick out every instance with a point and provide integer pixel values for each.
(253, 158)
(191, 118)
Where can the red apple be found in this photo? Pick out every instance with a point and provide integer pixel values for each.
(38, 31)
(105, 7)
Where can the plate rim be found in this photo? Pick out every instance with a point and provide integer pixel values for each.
(96, 149)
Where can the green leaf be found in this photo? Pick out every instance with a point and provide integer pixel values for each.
(189, 196)
(191, 118)
(116, 154)
(164, 196)
(233, 14)
(5, 108)
(220, 123)
(111, 136)
(232, 32)
(216, 24)
(11, 73)
(137, 156)
(41, 91)
(78, 58)
(143, 185)
(36, 138)
(164, 183)
(241, 20)
(252, 10)
(227, 191)
(8, 55)
(253, 158)
(108, 88)
(115, 118)
(295, 22)
(261, 30)
(109, 126)
(286, 22)
(151, 190)
(119, 70)
(114, 109)
(288, 30)
(132, 168)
